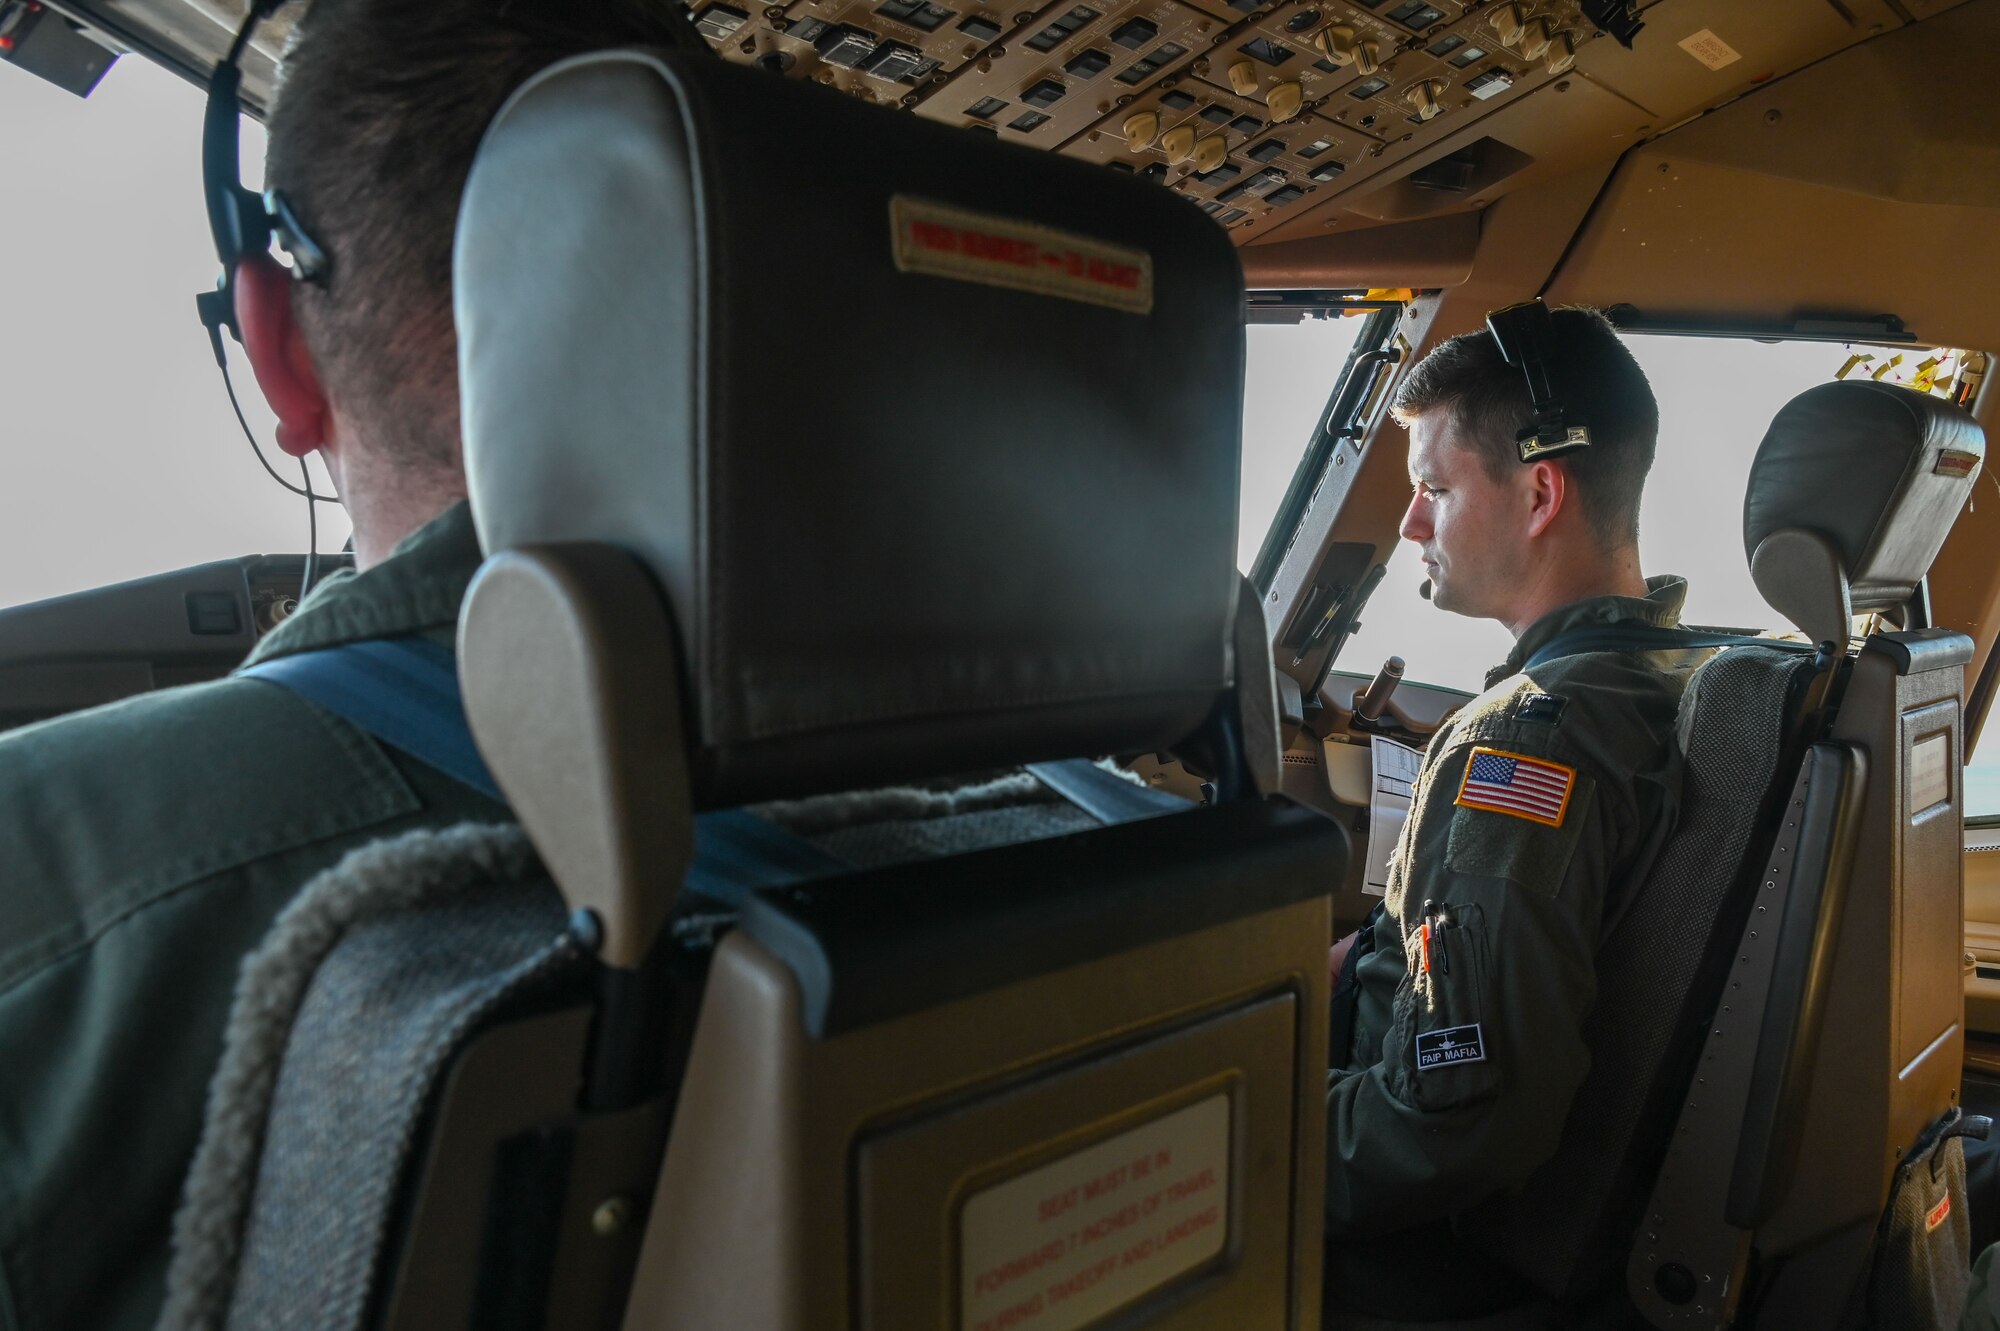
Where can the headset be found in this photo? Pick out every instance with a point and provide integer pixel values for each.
(243, 223)
(1525, 334)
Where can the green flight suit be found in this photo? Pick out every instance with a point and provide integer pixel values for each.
(1982, 1299)
(1468, 1043)
(145, 848)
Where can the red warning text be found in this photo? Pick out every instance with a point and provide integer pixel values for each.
(944, 241)
(1117, 1224)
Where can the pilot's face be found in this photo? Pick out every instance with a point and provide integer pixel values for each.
(1462, 520)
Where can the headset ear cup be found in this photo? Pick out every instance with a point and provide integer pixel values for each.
(1525, 337)
(240, 221)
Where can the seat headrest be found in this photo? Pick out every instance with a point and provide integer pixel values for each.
(929, 442)
(1852, 493)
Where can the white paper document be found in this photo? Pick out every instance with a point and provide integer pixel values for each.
(1395, 780)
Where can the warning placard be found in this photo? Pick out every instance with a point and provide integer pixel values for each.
(944, 241)
(1710, 49)
(1064, 1245)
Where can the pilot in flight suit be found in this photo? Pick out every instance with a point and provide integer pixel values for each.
(147, 846)
(1539, 807)
(1537, 812)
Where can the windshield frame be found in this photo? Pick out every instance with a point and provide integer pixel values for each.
(1376, 338)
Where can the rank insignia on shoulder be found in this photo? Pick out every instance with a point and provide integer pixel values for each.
(1541, 707)
(1517, 785)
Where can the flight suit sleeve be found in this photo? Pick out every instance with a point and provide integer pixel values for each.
(1483, 973)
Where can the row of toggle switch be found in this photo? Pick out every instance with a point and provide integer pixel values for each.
(1180, 144)
(1534, 38)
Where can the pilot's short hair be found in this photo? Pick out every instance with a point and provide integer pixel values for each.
(1602, 385)
(380, 108)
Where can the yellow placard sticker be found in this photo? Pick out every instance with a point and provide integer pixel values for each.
(1518, 785)
(1886, 366)
(1849, 365)
(1710, 49)
(943, 241)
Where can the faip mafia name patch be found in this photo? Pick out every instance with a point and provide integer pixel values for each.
(1517, 785)
(1454, 1044)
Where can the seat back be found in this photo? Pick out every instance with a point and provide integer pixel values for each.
(1833, 1045)
(1660, 965)
(737, 557)
(1060, 1081)
(1079, 1072)
(1680, 1155)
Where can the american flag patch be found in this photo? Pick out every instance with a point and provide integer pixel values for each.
(1513, 783)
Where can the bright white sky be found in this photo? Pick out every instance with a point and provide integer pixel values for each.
(1716, 398)
(119, 456)
(118, 453)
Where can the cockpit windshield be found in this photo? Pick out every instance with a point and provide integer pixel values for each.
(1716, 396)
(119, 456)
(1290, 370)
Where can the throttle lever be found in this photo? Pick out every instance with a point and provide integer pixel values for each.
(1368, 704)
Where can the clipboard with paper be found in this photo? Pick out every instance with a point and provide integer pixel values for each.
(1392, 785)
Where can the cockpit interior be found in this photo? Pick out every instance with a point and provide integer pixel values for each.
(838, 457)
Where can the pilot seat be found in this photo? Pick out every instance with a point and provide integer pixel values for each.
(1768, 1134)
(818, 452)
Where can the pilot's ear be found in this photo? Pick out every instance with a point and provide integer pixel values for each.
(1548, 492)
(279, 356)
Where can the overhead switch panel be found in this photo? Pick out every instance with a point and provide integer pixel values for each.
(1208, 98)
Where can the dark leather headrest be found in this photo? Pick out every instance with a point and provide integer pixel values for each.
(1853, 491)
(930, 442)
